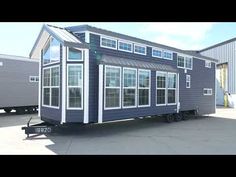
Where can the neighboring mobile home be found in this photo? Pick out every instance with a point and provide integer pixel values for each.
(225, 72)
(91, 75)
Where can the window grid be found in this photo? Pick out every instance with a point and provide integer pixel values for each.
(144, 88)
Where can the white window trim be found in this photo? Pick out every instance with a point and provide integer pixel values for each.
(185, 56)
(191, 63)
(135, 87)
(49, 40)
(149, 89)
(110, 38)
(168, 52)
(140, 45)
(167, 87)
(206, 64)
(110, 108)
(177, 61)
(82, 53)
(208, 89)
(166, 73)
(128, 42)
(50, 87)
(67, 87)
(188, 76)
(161, 50)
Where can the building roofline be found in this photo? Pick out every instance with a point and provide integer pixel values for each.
(16, 57)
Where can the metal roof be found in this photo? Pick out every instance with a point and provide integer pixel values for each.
(106, 59)
(14, 57)
(134, 39)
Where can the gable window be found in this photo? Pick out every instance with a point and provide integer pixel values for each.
(188, 63)
(188, 81)
(157, 53)
(125, 46)
(51, 51)
(160, 88)
(108, 43)
(144, 87)
(171, 99)
(129, 87)
(74, 54)
(112, 87)
(180, 62)
(75, 86)
(51, 82)
(207, 64)
(167, 55)
(207, 91)
(139, 49)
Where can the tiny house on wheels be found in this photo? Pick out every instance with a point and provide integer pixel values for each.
(91, 75)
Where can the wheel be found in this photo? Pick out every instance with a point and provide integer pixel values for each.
(178, 117)
(7, 110)
(169, 118)
(20, 111)
(185, 116)
(30, 110)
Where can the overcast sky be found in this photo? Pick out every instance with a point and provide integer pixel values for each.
(18, 38)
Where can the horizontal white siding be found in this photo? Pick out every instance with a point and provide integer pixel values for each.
(225, 53)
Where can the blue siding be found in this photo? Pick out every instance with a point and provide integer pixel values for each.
(75, 116)
(81, 36)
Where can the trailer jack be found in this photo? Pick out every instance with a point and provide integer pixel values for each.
(39, 129)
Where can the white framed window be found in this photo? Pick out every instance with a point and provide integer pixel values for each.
(167, 55)
(51, 51)
(207, 64)
(108, 42)
(33, 78)
(125, 46)
(188, 63)
(161, 88)
(180, 62)
(51, 86)
(188, 81)
(156, 53)
(112, 92)
(74, 54)
(207, 91)
(171, 89)
(129, 87)
(140, 49)
(75, 86)
(185, 62)
(144, 85)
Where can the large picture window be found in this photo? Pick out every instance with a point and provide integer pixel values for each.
(51, 81)
(51, 51)
(144, 87)
(161, 88)
(129, 87)
(171, 87)
(75, 86)
(112, 87)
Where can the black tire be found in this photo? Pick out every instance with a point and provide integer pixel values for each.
(30, 110)
(169, 118)
(185, 116)
(20, 111)
(178, 117)
(8, 110)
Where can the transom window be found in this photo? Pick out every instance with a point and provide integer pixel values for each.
(167, 55)
(129, 87)
(139, 49)
(207, 91)
(157, 53)
(75, 86)
(51, 51)
(51, 81)
(112, 87)
(125, 46)
(144, 87)
(74, 54)
(161, 88)
(108, 43)
(207, 64)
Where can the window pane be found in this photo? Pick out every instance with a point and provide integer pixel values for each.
(129, 97)
(171, 80)
(55, 97)
(75, 97)
(156, 53)
(46, 77)
(143, 78)
(143, 96)
(75, 75)
(140, 49)
(161, 80)
(180, 61)
(55, 76)
(171, 96)
(46, 54)
(108, 43)
(46, 96)
(112, 77)
(125, 46)
(167, 55)
(160, 96)
(188, 63)
(74, 54)
(112, 98)
(129, 78)
(54, 50)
